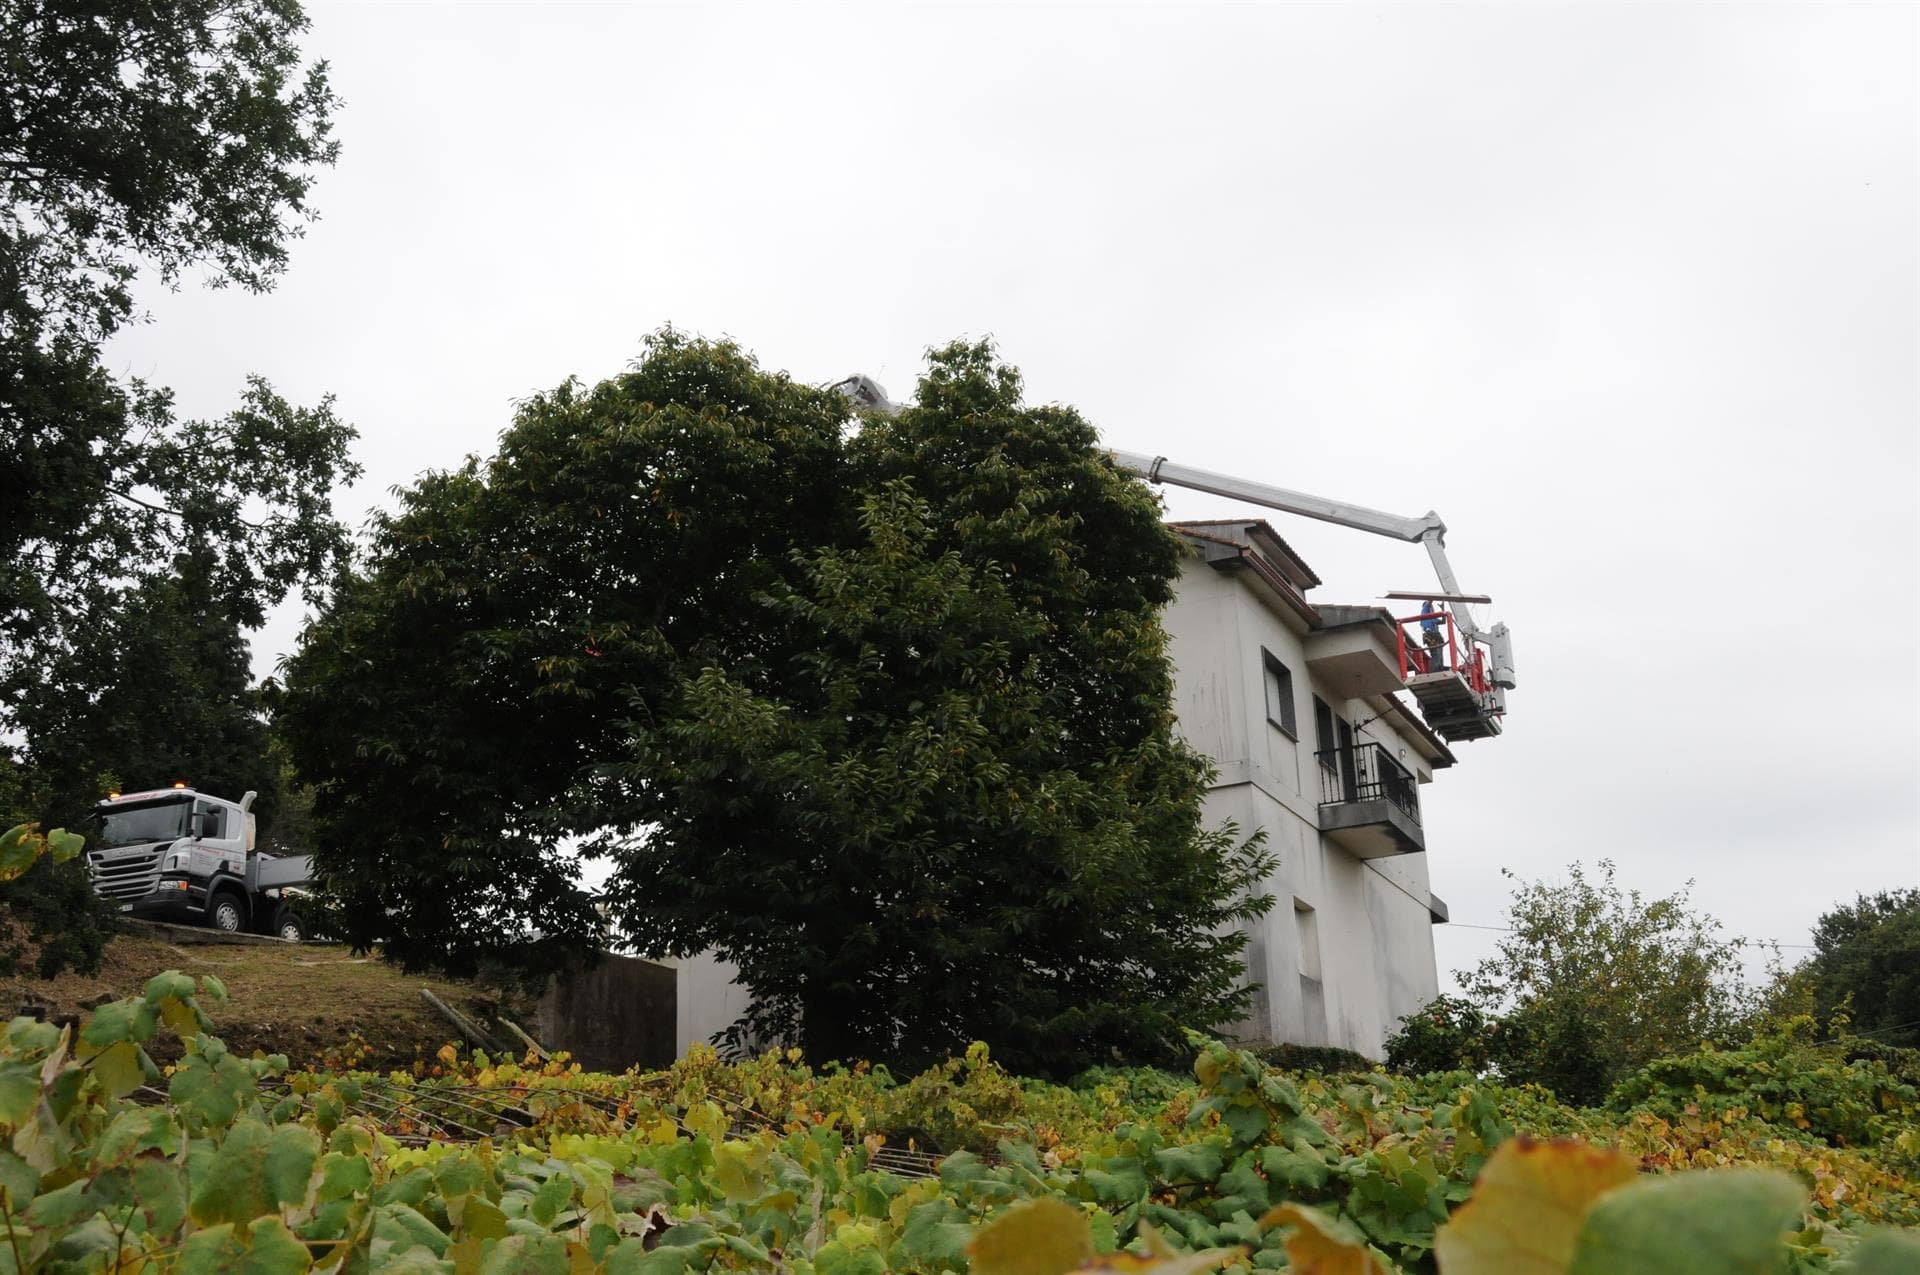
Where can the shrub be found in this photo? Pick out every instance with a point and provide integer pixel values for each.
(1445, 1034)
(1324, 1060)
(1815, 1090)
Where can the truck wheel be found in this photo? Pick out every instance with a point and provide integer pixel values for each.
(288, 927)
(225, 914)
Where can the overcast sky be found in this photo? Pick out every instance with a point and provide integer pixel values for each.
(1628, 294)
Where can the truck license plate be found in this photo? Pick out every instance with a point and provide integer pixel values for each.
(126, 907)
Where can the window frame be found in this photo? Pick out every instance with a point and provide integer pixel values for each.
(1288, 723)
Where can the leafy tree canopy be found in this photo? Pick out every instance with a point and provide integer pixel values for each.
(1594, 981)
(157, 135)
(879, 714)
(1866, 961)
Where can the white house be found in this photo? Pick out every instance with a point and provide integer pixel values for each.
(1295, 702)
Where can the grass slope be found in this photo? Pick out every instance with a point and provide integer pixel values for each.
(314, 1003)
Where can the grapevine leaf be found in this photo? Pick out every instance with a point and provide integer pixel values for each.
(265, 1248)
(170, 983)
(255, 1172)
(933, 1238)
(344, 1175)
(1323, 1245)
(407, 1227)
(19, 1091)
(215, 989)
(63, 845)
(1527, 1208)
(1195, 1162)
(527, 1255)
(19, 847)
(120, 1068)
(161, 1188)
(110, 1024)
(1046, 1236)
(61, 1208)
(210, 1094)
(1727, 1222)
(1884, 1253)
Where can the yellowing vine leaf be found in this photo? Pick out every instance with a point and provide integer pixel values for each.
(1527, 1208)
(1322, 1245)
(1046, 1236)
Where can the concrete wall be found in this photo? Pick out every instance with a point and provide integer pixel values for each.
(709, 1000)
(619, 1014)
(1362, 926)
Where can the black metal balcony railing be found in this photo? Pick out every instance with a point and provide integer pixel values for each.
(1366, 772)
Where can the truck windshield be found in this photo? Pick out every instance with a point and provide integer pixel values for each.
(131, 825)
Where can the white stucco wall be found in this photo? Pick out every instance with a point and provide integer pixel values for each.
(1369, 918)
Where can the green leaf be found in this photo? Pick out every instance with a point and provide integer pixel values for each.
(169, 983)
(406, 1227)
(256, 1171)
(121, 1068)
(161, 1188)
(62, 1207)
(1719, 1222)
(1883, 1253)
(110, 1024)
(210, 1095)
(344, 1175)
(552, 1197)
(19, 847)
(1046, 1236)
(216, 991)
(63, 845)
(527, 1255)
(19, 1091)
(933, 1237)
(1195, 1162)
(262, 1249)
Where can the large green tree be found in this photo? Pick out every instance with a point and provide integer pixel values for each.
(1866, 959)
(879, 711)
(1593, 980)
(166, 135)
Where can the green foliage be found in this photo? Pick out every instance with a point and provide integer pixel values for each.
(1323, 1059)
(1593, 981)
(1846, 1103)
(51, 908)
(881, 717)
(248, 1168)
(1867, 959)
(1448, 1033)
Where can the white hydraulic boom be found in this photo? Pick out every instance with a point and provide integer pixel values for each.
(1428, 531)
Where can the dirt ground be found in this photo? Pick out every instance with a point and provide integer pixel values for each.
(315, 1004)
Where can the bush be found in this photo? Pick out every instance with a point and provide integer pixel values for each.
(1445, 1034)
(1323, 1060)
(1816, 1090)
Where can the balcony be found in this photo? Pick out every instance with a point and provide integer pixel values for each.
(1368, 802)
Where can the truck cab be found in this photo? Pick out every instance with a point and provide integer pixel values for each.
(177, 854)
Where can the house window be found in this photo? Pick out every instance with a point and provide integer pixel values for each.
(1323, 744)
(1280, 695)
(1305, 926)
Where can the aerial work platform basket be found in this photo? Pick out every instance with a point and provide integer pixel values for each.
(1448, 675)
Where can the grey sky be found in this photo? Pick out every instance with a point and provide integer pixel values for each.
(1628, 294)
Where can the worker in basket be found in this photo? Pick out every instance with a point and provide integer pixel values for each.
(1430, 636)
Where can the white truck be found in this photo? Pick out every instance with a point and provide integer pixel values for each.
(176, 854)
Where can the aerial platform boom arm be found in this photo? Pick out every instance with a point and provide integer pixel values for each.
(1427, 530)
